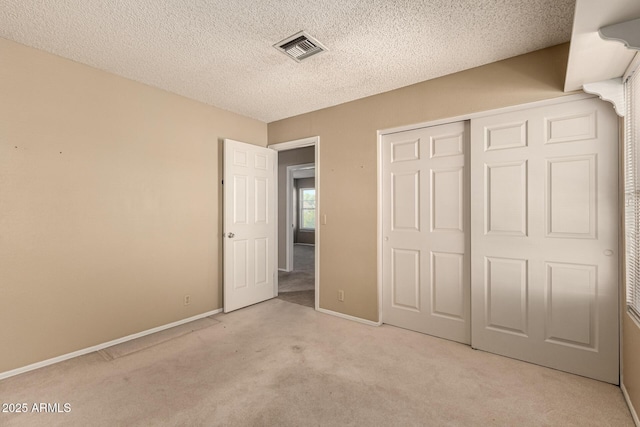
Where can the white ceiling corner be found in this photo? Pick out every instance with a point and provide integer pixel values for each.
(221, 53)
(592, 59)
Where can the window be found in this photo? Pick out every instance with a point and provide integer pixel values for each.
(632, 192)
(307, 209)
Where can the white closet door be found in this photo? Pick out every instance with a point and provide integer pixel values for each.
(425, 224)
(544, 219)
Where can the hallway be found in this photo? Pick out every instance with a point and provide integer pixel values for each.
(298, 286)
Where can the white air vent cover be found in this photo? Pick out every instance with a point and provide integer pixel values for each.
(300, 46)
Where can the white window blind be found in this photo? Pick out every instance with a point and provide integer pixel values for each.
(632, 192)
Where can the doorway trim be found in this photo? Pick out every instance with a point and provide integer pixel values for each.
(289, 145)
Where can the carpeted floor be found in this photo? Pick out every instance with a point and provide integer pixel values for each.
(148, 341)
(306, 298)
(298, 286)
(281, 364)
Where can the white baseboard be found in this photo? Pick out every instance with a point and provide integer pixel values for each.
(346, 316)
(84, 351)
(634, 414)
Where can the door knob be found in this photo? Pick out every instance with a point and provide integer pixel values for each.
(230, 235)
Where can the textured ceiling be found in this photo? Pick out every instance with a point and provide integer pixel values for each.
(220, 52)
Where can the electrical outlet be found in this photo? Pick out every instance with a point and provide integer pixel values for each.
(187, 299)
(340, 295)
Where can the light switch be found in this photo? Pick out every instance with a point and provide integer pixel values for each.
(324, 219)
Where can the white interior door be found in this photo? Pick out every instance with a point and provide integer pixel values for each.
(425, 269)
(249, 224)
(544, 186)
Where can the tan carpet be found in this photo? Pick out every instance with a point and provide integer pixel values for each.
(143, 343)
(306, 298)
(281, 364)
(302, 278)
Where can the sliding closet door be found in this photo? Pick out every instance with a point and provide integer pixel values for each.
(425, 269)
(544, 219)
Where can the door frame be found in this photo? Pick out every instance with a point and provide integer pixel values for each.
(289, 232)
(289, 145)
(380, 177)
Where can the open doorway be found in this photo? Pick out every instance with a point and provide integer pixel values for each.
(298, 203)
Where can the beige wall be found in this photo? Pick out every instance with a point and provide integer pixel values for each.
(109, 205)
(348, 147)
(631, 359)
(297, 156)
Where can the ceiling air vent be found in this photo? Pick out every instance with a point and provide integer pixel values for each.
(300, 46)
